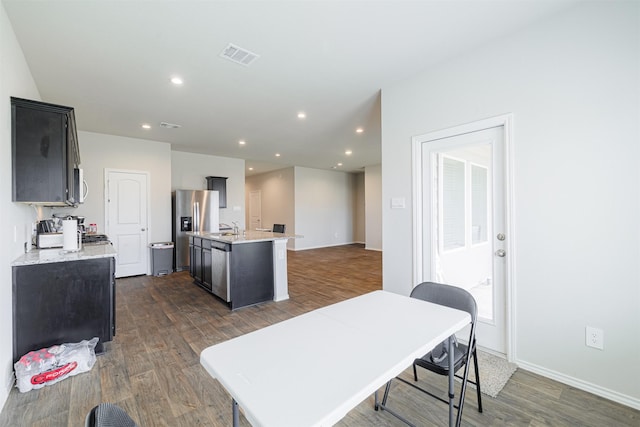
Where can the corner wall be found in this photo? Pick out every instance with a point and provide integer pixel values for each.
(324, 208)
(373, 207)
(572, 83)
(277, 199)
(15, 218)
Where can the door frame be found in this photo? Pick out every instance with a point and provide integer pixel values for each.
(506, 121)
(107, 171)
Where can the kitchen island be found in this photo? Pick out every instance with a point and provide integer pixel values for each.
(62, 297)
(241, 269)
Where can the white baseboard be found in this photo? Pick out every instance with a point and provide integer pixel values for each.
(4, 393)
(324, 246)
(623, 399)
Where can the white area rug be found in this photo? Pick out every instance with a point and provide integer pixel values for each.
(494, 373)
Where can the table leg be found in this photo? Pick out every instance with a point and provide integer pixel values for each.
(236, 415)
(451, 385)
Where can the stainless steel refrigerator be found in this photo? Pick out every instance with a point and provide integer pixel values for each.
(192, 210)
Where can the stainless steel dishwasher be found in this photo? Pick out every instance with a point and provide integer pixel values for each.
(220, 282)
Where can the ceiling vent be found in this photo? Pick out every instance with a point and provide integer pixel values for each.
(169, 125)
(239, 55)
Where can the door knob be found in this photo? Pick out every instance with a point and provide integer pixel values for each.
(500, 236)
(501, 253)
(142, 229)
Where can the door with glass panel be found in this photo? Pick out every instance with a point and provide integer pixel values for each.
(464, 223)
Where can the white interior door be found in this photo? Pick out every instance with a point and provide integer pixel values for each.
(463, 224)
(255, 209)
(126, 204)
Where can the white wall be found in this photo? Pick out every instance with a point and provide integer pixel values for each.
(277, 199)
(189, 172)
(15, 219)
(572, 82)
(373, 207)
(359, 207)
(99, 152)
(324, 208)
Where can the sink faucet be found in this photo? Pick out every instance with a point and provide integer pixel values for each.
(236, 230)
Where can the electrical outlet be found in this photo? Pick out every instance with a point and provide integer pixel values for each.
(594, 337)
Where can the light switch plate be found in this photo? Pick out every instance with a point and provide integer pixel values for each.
(397, 203)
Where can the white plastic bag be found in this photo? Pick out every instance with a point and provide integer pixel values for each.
(47, 366)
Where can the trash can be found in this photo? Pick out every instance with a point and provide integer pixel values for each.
(161, 258)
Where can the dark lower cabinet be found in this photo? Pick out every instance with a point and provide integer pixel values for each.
(249, 274)
(62, 302)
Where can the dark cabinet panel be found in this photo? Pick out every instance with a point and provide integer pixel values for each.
(44, 153)
(250, 270)
(62, 302)
(251, 273)
(196, 260)
(219, 184)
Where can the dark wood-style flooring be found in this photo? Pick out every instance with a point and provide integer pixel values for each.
(152, 369)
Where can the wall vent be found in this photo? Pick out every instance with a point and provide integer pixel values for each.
(239, 55)
(169, 125)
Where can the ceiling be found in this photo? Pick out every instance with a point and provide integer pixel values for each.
(113, 60)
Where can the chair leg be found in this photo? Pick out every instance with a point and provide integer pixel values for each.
(475, 365)
(415, 373)
(463, 392)
(386, 393)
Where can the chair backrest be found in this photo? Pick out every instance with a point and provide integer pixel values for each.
(278, 228)
(450, 296)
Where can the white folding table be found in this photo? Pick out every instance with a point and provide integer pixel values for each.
(311, 370)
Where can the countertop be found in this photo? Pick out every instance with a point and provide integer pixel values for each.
(245, 236)
(44, 256)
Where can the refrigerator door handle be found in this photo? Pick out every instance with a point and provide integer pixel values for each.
(196, 216)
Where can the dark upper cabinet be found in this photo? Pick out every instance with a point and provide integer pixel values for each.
(45, 153)
(219, 184)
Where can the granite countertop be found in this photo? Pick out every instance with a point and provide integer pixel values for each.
(245, 236)
(44, 256)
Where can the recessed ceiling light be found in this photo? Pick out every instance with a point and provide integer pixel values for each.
(277, 154)
(359, 130)
(302, 115)
(339, 164)
(250, 169)
(348, 152)
(146, 126)
(242, 142)
(176, 80)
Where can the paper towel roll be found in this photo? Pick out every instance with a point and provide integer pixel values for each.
(70, 235)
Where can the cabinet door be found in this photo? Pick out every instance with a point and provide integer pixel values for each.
(192, 256)
(39, 155)
(62, 302)
(196, 259)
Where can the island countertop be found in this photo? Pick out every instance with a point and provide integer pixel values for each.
(246, 236)
(44, 256)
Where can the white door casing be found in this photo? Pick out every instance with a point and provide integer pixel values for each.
(255, 209)
(494, 334)
(126, 219)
